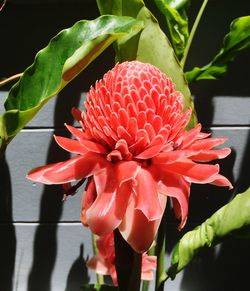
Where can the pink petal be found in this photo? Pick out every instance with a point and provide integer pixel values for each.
(173, 156)
(78, 133)
(148, 265)
(98, 264)
(220, 180)
(89, 196)
(93, 146)
(148, 262)
(146, 196)
(137, 230)
(70, 145)
(193, 172)
(73, 169)
(207, 144)
(76, 113)
(188, 137)
(107, 211)
(177, 187)
(147, 275)
(150, 152)
(127, 171)
(209, 155)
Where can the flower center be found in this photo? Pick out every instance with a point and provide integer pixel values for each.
(133, 108)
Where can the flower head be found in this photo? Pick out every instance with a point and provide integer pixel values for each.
(104, 262)
(135, 152)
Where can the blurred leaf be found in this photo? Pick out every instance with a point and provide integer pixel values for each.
(232, 219)
(67, 54)
(237, 40)
(97, 287)
(177, 23)
(150, 45)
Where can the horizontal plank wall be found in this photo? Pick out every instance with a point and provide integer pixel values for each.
(43, 246)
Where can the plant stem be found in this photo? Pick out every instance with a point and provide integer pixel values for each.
(127, 264)
(99, 277)
(192, 33)
(145, 285)
(160, 253)
(12, 78)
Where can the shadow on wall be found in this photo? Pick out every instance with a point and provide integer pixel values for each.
(8, 236)
(224, 267)
(45, 243)
(78, 273)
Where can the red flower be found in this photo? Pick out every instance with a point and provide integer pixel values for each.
(135, 151)
(104, 262)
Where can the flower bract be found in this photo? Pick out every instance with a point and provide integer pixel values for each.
(104, 262)
(134, 150)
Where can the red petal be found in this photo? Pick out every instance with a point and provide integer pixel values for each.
(70, 145)
(76, 113)
(146, 196)
(177, 187)
(73, 169)
(173, 156)
(207, 144)
(137, 230)
(193, 172)
(188, 137)
(108, 209)
(79, 134)
(89, 196)
(220, 180)
(93, 146)
(210, 155)
(126, 171)
(150, 152)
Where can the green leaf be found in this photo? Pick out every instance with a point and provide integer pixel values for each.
(231, 219)
(237, 40)
(150, 46)
(97, 287)
(177, 23)
(67, 54)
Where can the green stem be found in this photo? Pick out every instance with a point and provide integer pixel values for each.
(145, 285)
(192, 33)
(160, 253)
(99, 277)
(127, 264)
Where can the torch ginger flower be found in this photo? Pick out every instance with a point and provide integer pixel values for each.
(135, 152)
(104, 262)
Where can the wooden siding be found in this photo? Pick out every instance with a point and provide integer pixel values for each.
(43, 246)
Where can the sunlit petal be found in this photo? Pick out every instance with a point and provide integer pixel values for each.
(137, 230)
(107, 211)
(73, 169)
(146, 196)
(193, 172)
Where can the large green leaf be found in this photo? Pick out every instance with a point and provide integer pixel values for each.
(177, 22)
(150, 46)
(97, 287)
(55, 66)
(231, 219)
(237, 40)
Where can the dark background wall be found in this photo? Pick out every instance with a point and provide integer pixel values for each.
(43, 245)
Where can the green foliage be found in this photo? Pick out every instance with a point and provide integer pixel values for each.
(237, 40)
(150, 46)
(177, 23)
(231, 219)
(55, 66)
(97, 287)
